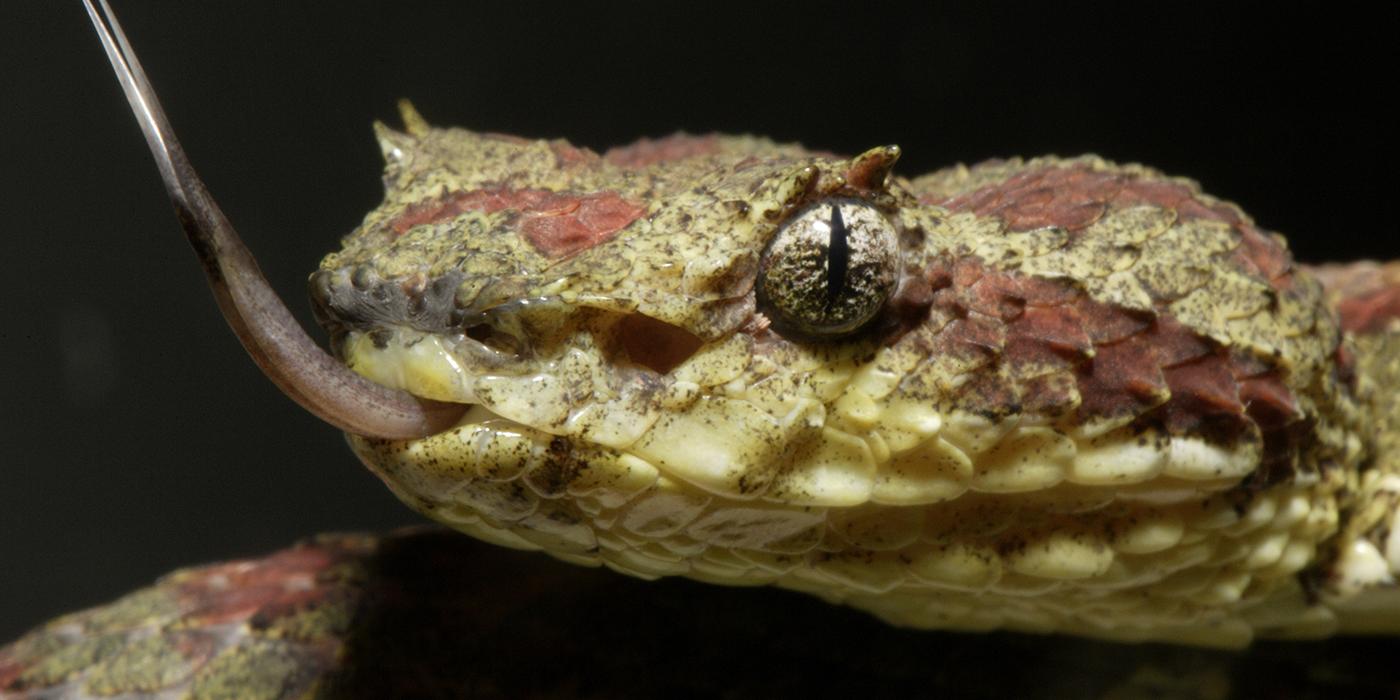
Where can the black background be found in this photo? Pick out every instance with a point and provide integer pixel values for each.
(137, 436)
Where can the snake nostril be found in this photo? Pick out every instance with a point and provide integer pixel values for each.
(656, 345)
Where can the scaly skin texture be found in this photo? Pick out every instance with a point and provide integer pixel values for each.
(1100, 402)
(436, 614)
(268, 628)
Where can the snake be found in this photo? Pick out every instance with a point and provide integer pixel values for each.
(1047, 395)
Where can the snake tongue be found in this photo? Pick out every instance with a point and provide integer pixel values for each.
(279, 346)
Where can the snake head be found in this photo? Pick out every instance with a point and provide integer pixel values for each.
(740, 361)
(650, 303)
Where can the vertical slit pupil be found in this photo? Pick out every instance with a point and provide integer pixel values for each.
(838, 257)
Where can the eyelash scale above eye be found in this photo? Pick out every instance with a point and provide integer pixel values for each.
(829, 269)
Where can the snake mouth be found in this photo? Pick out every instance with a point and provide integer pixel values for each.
(593, 355)
(538, 361)
(589, 369)
(494, 334)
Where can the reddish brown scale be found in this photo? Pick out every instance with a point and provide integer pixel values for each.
(1372, 312)
(266, 589)
(973, 337)
(645, 152)
(1056, 343)
(1366, 295)
(907, 308)
(1070, 198)
(294, 606)
(1268, 401)
(1203, 390)
(1075, 196)
(1109, 324)
(1048, 336)
(575, 224)
(1040, 291)
(1285, 433)
(939, 274)
(1246, 364)
(1176, 344)
(1139, 359)
(557, 224)
(1123, 378)
(965, 273)
(200, 613)
(1174, 195)
(994, 295)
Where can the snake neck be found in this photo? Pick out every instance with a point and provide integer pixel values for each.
(1361, 580)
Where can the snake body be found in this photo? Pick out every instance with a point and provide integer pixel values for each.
(1095, 400)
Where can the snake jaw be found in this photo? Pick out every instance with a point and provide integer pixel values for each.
(279, 346)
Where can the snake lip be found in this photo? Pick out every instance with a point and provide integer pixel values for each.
(361, 299)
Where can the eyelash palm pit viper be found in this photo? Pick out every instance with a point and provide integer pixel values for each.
(1047, 395)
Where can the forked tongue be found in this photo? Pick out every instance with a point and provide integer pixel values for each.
(286, 354)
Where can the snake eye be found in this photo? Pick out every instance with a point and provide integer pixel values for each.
(829, 268)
